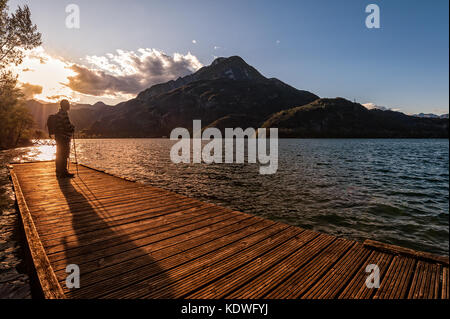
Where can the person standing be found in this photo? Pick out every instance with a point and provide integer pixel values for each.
(63, 135)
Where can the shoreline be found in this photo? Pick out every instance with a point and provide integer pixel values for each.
(14, 277)
(280, 137)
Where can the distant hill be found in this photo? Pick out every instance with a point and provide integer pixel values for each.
(81, 115)
(431, 115)
(342, 118)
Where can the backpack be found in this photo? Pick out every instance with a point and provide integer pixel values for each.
(52, 123)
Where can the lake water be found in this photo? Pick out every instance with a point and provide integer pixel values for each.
(391, 190)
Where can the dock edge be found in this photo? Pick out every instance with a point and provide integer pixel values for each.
(50, 286)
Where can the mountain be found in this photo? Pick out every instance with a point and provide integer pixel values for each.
(231, 93)
(81, 115)
(234, 68)
(342, 118)
(227, 89)
(431, 115)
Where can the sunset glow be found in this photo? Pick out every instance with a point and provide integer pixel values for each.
(41, 69)
(111, 78)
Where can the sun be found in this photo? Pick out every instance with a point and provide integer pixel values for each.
(40, 68)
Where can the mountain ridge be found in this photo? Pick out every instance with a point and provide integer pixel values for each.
(231, 93)
(341, 118)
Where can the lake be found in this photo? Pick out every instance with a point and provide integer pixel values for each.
(391, 190)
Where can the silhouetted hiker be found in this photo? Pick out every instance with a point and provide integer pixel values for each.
(63, 133)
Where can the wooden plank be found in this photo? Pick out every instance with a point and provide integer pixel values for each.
(212, 270)
(116, 216)
(172, 258)
(261, 285)
(356, 288)
(417, 279)
(153, 277)
(304, 277)
(427, 281)
(393, 249)
(138, 214)
(259, 267)
(132, 240)
(76, 205)
(47, 279)
(328, 287)
(400, 290)
(393, 286)
(445, 283)
(435, 282)
(138, 228)
(124, 243)
(112, 265)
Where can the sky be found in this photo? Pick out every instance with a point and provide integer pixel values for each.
(123, 47)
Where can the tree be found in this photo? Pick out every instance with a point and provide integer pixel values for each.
(15, 120)
(17, 33)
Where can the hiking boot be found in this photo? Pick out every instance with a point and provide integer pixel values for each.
(65, 175)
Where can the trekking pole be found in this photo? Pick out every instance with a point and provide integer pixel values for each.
(75, 152)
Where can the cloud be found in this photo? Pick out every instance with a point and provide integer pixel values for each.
(371, 106)
(58, 97)
(112, 78)
(30, 90)
(128, 72)
(278, 42)
(440, 111)
(38, 54)
(96, 82)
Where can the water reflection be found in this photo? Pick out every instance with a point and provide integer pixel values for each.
(43, 150)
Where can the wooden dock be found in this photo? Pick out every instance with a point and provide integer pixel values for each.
(136, 241)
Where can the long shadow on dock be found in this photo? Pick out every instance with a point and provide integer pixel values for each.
(87, 244)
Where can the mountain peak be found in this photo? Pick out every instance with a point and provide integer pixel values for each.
(232, 59)
(99, 104)
(218, 60)
(233, 68)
